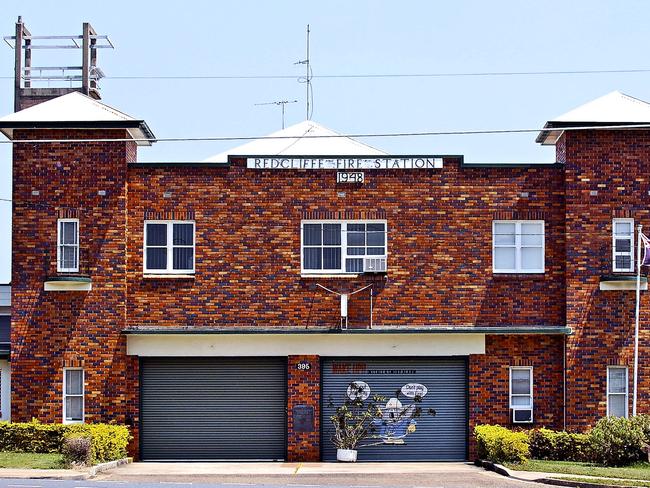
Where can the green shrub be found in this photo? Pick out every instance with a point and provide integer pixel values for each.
(107, 441)
(542, 444)
(500, 445)
(31, 437)
(616, 441)
(643, 422)
(571, 446)
(550, 445)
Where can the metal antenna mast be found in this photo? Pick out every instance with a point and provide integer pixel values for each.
(282, 103)
(307, 79)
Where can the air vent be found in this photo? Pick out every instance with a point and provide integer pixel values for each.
(374, 265)
(522, 415)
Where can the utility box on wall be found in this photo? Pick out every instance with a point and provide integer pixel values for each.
(303, 418)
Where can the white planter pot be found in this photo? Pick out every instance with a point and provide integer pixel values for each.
(346, 455)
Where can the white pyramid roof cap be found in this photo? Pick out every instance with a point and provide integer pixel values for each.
(75, 111)
(615, 108)
(303, 139)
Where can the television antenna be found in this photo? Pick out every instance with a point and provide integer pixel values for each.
(281, 103)
(309, 96)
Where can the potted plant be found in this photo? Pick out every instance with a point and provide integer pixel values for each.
(353, 421)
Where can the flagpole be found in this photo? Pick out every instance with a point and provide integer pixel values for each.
(636, 322)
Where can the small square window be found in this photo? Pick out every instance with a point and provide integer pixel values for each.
(518, 246)
(169, 247)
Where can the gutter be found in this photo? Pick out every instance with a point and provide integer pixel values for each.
(521, 330)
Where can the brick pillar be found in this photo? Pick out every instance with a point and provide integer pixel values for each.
(303, 398)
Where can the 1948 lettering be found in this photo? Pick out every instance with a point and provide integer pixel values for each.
(350, 177)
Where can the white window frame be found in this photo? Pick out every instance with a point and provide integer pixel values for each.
(518, 247)
(626, 394)
(170, 248)
(59, 245)
(344, 245)
(631, 239)
(530, 395)
(82, 395)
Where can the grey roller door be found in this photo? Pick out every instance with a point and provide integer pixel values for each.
(212, 408)
(399, 435)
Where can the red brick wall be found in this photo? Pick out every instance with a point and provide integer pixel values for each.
(489, 380)
(51, 330)
(439, 244)
(303, 388)
(616, 164)
(248, 252)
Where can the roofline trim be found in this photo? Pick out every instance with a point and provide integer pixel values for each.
(86, 124)
(513, 165)
(557, 126)
(341, 156)
(177, 164)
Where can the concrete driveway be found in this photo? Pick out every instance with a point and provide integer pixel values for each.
(299, 475)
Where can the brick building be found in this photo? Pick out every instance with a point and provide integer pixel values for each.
(224, 308)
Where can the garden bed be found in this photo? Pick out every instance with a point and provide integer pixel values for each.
(637, 471)
(606, 481)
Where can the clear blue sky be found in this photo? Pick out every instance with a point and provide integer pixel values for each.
(348, 37)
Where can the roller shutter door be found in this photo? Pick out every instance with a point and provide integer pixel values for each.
(438, 434)
(213, 408)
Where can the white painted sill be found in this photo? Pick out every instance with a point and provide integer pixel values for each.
(336, 276)
(170, 276)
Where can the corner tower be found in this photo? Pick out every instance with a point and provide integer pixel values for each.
(607, 163)
(70, 166)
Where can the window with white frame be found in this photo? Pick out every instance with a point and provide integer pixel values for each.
(73, 395)
(518, 246)
(339, 246)
(68, 246)
(623, 244)
(521, 394)
(617, 394)
(168, 247)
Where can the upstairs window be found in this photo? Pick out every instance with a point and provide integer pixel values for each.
(337, 247)
(168, 247)
(73, 395)
(521, 394)
(68, 246)
(623, 245)
(518, 246)
(617, 391)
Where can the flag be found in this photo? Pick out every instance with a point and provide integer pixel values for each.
(646, 246)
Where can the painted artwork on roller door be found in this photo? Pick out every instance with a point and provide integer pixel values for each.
(395, 418)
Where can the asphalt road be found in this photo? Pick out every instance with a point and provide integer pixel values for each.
(479, 479)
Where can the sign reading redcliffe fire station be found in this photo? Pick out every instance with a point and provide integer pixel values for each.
(344, 163)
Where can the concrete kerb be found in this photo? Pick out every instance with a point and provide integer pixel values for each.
(100, 468)
(44, 474)
(61, 474)
(497, 468)
(281, 469)
(577, 484)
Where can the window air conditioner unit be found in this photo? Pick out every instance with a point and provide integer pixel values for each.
(522, 415)
(374, 265)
